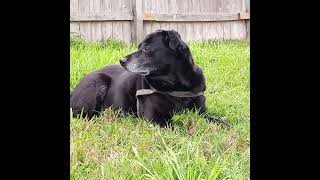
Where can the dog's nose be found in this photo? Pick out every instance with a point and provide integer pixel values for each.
(123, 61)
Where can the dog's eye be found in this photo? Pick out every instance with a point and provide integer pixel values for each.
(145, 48)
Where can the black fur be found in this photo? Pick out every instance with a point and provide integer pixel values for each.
(164, 61)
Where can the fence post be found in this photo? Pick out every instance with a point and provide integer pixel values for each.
(138, 12)
(246, 8)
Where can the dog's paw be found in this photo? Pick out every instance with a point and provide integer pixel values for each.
(226, 122)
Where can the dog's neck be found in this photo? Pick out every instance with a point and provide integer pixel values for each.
(175, 81)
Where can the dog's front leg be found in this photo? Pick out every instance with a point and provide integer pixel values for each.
(154, 110)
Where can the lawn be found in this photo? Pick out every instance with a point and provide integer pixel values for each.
(115, 146)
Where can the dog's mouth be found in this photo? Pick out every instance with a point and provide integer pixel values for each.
(144, 73)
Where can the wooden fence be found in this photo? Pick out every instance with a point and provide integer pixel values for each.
(131, 20)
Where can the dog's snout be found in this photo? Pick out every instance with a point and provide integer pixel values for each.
(123, 61)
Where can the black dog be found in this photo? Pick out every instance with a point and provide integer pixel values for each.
(154, 82)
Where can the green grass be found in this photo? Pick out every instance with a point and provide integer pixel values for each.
(114, 146)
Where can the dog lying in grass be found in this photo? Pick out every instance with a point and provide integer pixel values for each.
(154, 82)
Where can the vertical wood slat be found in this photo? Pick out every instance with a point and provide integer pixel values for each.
(198, 31)
(146, 28)
(246, 8)
(96, 5)
(155, 26)
(106, 30)
(126, 30)
(173, 26)
(182, 31)
(189, 30)
(154, 5)
(147, 6)
(85, 30)
(96, 29)
(137, 30)
(74, 6)
(74, 29)
(172, 5)
(84, 6)
(196, 6)
(117, 30)
(164, 26)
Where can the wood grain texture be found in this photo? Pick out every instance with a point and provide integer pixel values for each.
(198, 32)
(101, 16)
(155, 26)
(190, 17)
(117, 30)
(182, 30)
(96, 30)
(85, 30)
(98, 20)
(74, 6)
(137, 30)
(147, 28)
(126, 30)
(106, 28)
(84, 6)
(74, 29)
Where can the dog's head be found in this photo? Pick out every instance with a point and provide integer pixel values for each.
(159, 53)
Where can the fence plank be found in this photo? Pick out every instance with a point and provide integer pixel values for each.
(84, 6)
(147, 6)
(155, 26)
(96, 31)
(74, 29)
(182, 31)
(154, 6)
(107, 5)
(226, 30)
(173, 26)
(85, 30)
(74, 6)
(147, 28)
(190, 30)
(205, 30)
(115, 6)
(96, 5)
(219, 28)
(117, 30)
(198, 31)
(137, 21)
(106, 30)
(126, 30)
(172, 7)
(213, 34)
(164, 26)
(196, 6)
(236, 30)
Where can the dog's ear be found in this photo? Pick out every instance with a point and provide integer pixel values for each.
(174, 39)
(176, 44)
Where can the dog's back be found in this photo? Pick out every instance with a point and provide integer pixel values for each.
(109, 86)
